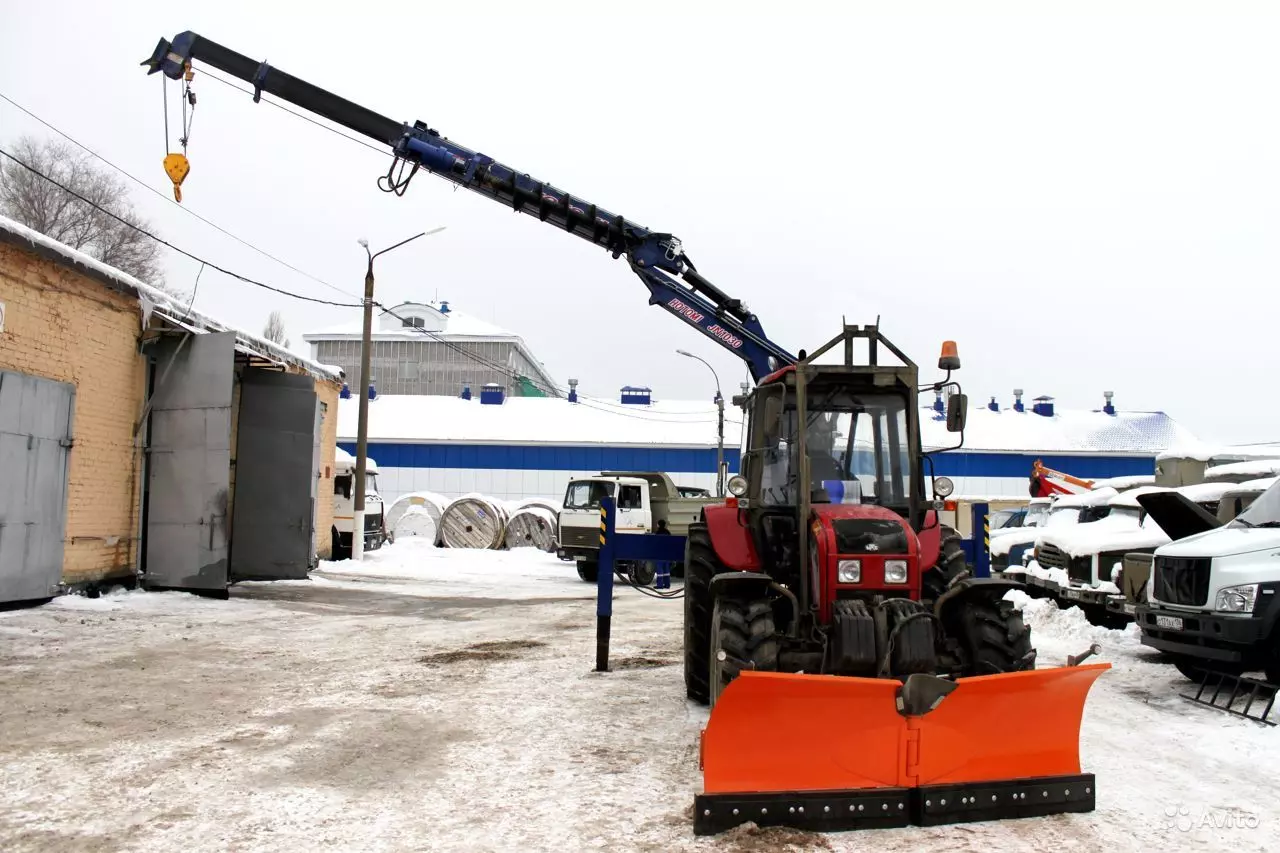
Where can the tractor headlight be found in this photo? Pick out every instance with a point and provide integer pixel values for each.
(943, 487)
(737, 485)
(1237, 599)
(849, 571)
(895, 571)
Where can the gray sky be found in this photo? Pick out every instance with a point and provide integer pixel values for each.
(1084, 196)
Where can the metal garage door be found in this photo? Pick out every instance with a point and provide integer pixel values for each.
(189, 466)
(273, 516)
(35, 442)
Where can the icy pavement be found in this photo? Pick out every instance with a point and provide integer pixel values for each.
(445, 700)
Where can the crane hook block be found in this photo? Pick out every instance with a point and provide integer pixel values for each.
(177, 167)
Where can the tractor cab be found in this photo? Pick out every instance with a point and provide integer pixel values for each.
(833, 463)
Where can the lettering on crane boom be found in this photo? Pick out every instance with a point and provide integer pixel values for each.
(696, 317)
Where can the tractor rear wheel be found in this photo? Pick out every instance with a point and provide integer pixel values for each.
(994, 637)
(950, 565)
(701, 565)
(743, 628)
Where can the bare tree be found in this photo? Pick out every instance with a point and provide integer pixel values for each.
(274, 330)
(42, 206)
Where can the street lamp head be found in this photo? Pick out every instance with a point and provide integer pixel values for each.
(682, 352)
(363, 242)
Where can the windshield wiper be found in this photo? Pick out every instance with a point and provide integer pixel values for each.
(1266, 524)
(1242, 522)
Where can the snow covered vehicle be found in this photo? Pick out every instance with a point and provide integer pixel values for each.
(1010, 550)
(1084, 566)
(1214, 597)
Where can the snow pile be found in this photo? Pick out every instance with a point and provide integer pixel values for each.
(520, 573)
(1047, 620)
(1058, 576)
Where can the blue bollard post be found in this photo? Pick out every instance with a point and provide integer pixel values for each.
(604, 585)
(982, 540)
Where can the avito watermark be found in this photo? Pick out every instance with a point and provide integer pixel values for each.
(1183, 819)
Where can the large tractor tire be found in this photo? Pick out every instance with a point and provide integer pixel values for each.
(744, 629)
(701, 565)
(994, 637)
(950, 565)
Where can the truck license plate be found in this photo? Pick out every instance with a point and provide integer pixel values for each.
(1072, 593)
(1173, 623)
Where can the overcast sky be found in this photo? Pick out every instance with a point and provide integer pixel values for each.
(1084, 196)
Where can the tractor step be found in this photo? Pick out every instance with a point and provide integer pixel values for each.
(890, 808)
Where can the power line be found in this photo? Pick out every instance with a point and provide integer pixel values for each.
(182, 251)
(187, 210)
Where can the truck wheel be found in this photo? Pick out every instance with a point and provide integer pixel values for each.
(950, 565)
(744, 630)
(995, 637)
(1193, 670)
(589, 572)
(642, 572)
(701, 564)
(336, 550)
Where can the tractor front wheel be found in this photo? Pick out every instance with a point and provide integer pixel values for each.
(701, 564)
(950, 565)
(743, 629)
(994, 637)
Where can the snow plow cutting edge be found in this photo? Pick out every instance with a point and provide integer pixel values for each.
(923, 751)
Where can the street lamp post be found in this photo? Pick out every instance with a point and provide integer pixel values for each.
(362, 431)
(720, 425)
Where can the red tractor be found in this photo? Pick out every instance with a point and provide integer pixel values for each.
(831, 559)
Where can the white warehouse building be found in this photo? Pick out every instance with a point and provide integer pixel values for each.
(522, 447)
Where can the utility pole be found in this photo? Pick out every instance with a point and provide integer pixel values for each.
(362, 430)
(720, 478)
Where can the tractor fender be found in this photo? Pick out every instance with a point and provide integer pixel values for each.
(744, 584)
(968, 588)
(730, 538)
(930, 539)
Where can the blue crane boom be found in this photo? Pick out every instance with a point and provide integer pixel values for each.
(656, 257)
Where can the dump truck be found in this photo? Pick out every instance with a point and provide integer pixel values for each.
(645, 501)
(852, 665)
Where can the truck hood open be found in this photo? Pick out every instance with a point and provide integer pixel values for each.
(1177, 515)
(1224, 542)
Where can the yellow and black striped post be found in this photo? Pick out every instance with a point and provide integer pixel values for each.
(604, 584)
(982, 547)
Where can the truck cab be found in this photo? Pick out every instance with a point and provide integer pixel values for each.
(1010, 550)
(645, 501)
(375, 533)
(1213, 602)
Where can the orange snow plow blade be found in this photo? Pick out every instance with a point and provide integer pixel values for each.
(836, 753)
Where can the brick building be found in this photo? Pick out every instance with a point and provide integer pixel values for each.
(140, 440)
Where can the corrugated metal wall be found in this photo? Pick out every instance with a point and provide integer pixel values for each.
(430, 367)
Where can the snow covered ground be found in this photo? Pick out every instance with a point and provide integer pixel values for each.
(445, 700)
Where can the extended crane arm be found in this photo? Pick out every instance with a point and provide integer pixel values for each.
(657, 258)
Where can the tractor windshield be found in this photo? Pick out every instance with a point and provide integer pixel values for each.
(858, 451)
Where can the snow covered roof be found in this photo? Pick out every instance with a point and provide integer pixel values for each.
(1066, 431)
(1122, 483)
(1096, 497)
(1205, 452)
(1253, 468)
(152, 300)
(521, 420)
(449, 325)
(542, 420)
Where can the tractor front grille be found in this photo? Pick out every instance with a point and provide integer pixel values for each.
(1181, 580)
(579, 537)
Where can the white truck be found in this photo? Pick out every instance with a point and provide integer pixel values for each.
(1213, 601)
(1011, 550)
(375, 531)
(645, 500)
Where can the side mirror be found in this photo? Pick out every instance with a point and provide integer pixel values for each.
(957, 412)
(771, 411)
